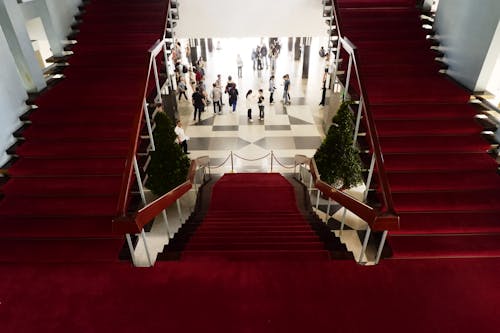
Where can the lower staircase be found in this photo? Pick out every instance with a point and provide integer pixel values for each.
(254, 217)
(445, 185)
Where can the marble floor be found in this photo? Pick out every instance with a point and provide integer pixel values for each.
(285, 130)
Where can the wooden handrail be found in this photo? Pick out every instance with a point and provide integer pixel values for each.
(372, 130)
(378, 221)
(128, 172)
(374, 141)
(134, 223)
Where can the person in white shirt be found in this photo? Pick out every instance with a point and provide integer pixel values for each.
(250, 101)
(216, 95)
(181, 137)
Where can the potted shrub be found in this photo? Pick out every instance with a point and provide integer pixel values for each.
(169, 166)
(337, 158)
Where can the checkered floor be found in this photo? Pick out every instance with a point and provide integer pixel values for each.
(286, 130)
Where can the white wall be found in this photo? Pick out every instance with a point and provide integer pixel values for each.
(12, 97)
(466, 32)
(240, 19)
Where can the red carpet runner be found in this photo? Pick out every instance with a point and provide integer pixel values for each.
(64, 188)
(251, 217)
(445, 186)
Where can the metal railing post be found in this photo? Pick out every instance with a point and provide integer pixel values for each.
(272, 161)
(232, 164)
(346, 89)
(139, 181)
(181, 218)
(358, 120)
(143, 235)
(365, 244)
(148, 124)
(369, 179)
(342, 221)
(381, 246)
(165, 220)
(157, 79)
(328, 208)
(131, 249)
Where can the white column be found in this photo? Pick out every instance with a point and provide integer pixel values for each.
(13, 25)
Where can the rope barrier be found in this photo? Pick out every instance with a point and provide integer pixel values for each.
(220, 165)
(250, 159)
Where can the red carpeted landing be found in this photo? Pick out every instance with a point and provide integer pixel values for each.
(444, 185)
(453, 295)
(65, 186)
(254, 216)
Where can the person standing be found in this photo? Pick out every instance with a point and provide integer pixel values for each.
(286, 88)
(263, 53)
(198, 103)
(239, 63)
(272, 88)
(216, 95)
(181, 137)
(260, 104)
(233, 95)
(249, 103)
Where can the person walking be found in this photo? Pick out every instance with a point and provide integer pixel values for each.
(272, 88)
(181, 87)
(286, 88)
(198, 103)
(233, 95)
(260, 104)
(263, 53)
(249, 103)
(239, 63)
(181, 137)
(216, 95)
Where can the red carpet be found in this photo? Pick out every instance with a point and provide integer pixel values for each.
(454, 295)
(444, 184)
(65, 186)
(254, 216)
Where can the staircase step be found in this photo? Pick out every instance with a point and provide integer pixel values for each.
(55, 227)
(249, 246)
(67, 186)
(75, 149)
(457, 222)
(445, 246)
(76, 250)
(427, 127)
(433, 144)
(256, 255)
(48, 167)
(58, 206)
(441, 161)
(423, 111)
(86, 132)
(443, 181)
(452, 201)
(239, 238)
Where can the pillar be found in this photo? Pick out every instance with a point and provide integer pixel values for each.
(193, 44)
(203, 47)
(290, 44)
(305, 62)
(297, 49)
(14, 28)
(210, 44)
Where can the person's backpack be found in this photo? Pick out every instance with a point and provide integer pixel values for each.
(184, 69)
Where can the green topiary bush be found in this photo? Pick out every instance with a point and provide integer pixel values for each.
(169, 166)
(337, 159)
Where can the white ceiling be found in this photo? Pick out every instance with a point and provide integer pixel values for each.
(250, 18)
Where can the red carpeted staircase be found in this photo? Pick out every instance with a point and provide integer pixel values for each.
(445, 186)
(254, 217)
(64, 188)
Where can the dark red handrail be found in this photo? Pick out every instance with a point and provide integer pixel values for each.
(378, 221)
(134, 223)
(128, 172)
(372, 130)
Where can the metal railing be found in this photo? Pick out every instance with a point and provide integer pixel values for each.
(134, 224)
(375, 220)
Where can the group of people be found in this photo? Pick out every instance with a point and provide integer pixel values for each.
(260, 55)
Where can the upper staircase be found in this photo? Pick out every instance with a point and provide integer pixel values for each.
(445, 186)
(67, 182)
